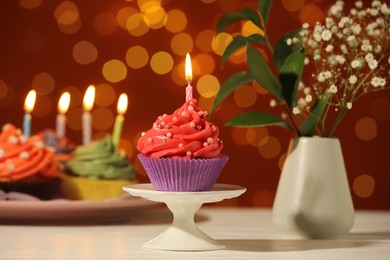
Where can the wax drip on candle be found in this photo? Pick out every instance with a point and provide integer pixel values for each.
(188, 72)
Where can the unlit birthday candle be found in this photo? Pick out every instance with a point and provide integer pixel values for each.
(28, 108)
(88, 101)
(188, 77)
(122, 107)
(63, 106)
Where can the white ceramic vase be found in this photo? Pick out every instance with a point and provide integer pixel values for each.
(313, 198)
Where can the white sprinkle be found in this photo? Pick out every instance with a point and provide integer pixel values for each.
(189, 153)
(181, 145)
(2, 153)
(10, 167)
(39, 144)
(143, 133)
(213, 128)
(174, 118)
(205, 113)
(192, 124)
(150, 139)
(205, 144)
(190, 108)
(210, 140)
(349, 105)
(200, 113)
(164, 115)
(169, 135)
(155, 125)
(162, 123)
(24, 155)
(12, 139)
(184, 113)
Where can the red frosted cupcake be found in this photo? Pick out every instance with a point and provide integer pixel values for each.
(26, 165)
(181, 152)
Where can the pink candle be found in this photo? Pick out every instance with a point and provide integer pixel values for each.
(188, 77)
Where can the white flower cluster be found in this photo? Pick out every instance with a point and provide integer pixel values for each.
(349, 53)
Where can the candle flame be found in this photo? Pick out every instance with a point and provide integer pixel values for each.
(63, 104)
(30, 101)
(89, 98)
(122, 104)
(188, 68)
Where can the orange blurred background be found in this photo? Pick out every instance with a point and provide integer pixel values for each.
(139, 47)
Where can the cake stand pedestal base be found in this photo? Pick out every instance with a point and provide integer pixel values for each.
(183, 234)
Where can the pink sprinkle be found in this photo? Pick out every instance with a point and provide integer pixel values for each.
(205, 113)
(192, 124)
(205, 144)
(150, 139)
(210, 140)
(164, 115)
(200, 113)
(155, 125)
(184, 113)
(174, 118)
(162, 123)
(169, 135)
(189, 153)
(192, 103)
(213, 128)
(181, 145)
(190, 108)
(2, 153)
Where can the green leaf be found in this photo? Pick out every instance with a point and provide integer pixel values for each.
(233, 82)
(239, 42)
(234, 45)
(308, 126)
(290, 75)
(252, 119)
(232, 17)
(282, 50)
(262, 73)
(264, 7)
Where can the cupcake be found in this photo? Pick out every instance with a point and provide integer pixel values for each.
(27, 165)
(182, 151)
(97, 171)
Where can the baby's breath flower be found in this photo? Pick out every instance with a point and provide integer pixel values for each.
(307, 90)
(329, 48)
(356, 29)
(355, 64)
(359, 4)
(333, 89)
(273, 103)
(340, 59)
(326, 35)
(369, 57)
(378, 82)
(305, 25)
(352, 79)
(372, 64)
(296, 111)
(385, 9)
(308, 98)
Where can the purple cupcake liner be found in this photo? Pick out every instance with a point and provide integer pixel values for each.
(182, 174)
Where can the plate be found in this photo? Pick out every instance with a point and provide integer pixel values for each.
(70, 212)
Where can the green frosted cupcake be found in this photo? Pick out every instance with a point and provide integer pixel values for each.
(97, 171)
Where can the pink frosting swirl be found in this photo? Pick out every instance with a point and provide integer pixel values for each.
(21, 157)
(186, 133)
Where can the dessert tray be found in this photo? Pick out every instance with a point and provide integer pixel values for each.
(71, 212)
(183, 234)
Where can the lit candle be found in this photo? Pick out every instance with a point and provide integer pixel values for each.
(28, 108)
(188, 77)
(122, 107)
(63, 106)
(88, 100)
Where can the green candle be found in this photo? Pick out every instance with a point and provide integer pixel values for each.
(122, 107)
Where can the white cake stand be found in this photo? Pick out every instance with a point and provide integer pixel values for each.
(183, 234)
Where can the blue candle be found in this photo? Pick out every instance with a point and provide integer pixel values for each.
(28, 108)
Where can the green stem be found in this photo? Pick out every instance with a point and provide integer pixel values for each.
(291, 118)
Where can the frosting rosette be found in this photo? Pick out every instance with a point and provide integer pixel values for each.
(22, 157)
(101, 160)
(184, 134)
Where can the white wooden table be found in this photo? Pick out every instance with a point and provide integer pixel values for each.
(247, 234)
